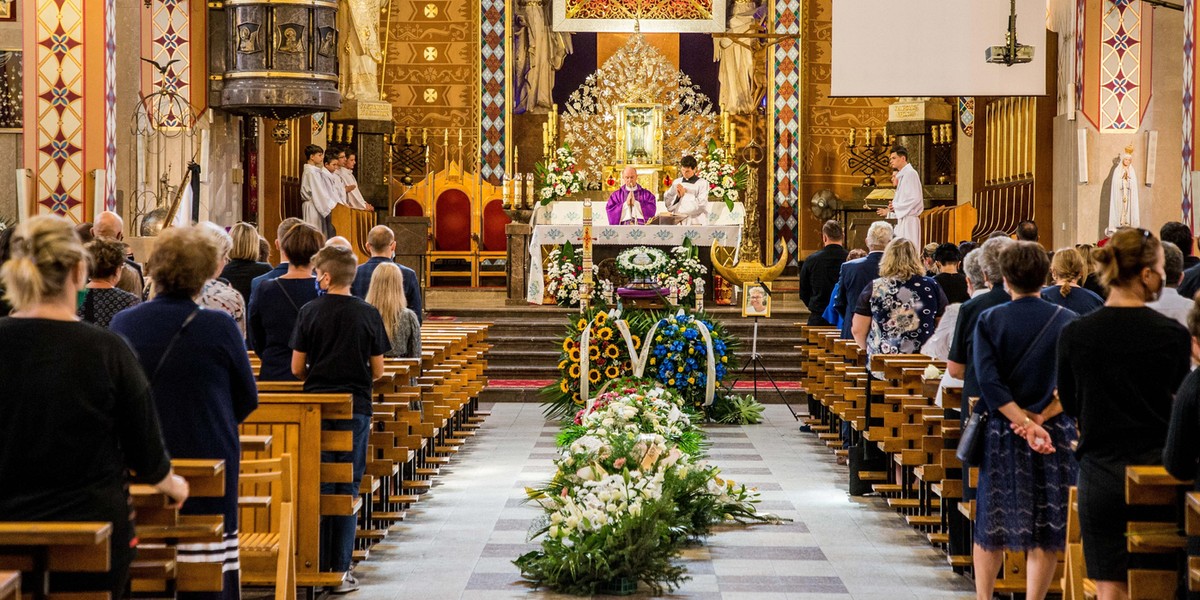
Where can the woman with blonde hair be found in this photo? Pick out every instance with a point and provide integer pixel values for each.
(1068, 268)
(898, 312)
(244, 264)
(387, 294)
(1118, 370)
(68, 443)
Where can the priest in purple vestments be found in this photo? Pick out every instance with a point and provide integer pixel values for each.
(631, 204)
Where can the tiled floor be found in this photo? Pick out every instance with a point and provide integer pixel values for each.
(460, 540)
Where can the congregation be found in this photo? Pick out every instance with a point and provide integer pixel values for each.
(162, 372)
(1073, 364)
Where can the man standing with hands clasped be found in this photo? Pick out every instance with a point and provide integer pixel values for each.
(909, 200)
(688, 195)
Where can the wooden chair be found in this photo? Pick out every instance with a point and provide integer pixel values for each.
(39, 549)
(268, 554)
(493, 251)
(453, 238)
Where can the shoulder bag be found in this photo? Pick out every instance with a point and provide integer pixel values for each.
(970, 444)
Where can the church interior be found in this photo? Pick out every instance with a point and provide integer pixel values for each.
(660, 207)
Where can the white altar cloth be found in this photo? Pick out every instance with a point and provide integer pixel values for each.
(619, 235)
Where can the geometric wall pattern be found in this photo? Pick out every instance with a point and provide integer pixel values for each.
(1188, 153)
(1120, 68)
(431, 74)
(786, 99)
(170, 46)
(1116, 73)
(57, 125)
(493, 102)
(110, 104)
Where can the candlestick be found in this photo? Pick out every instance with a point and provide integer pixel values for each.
(460, 132)
(408, 136)
(851, 136)
(869, 141)
(424, 136)
(505, 185)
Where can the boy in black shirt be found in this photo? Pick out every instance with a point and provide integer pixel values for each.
(338, 347)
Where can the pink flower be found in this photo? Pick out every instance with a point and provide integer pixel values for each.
(565, 493)
(620, 462)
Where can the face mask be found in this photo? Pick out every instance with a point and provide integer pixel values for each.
(80, 297)
(1155, 293)
(317, 284)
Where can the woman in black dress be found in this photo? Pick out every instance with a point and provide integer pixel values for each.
(275, 304)
(1118, 369)
(1027, 469)
(76, 412)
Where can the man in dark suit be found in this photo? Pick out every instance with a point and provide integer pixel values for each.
(856, 275)
(381, 241)
(820, 272)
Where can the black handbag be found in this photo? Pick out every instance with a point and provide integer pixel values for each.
(970, 443)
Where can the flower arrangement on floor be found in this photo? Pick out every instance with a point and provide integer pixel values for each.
(564, 275)
(558, 176)
(608, 359)
(679, 355)
(725, 180)
(630, 489)
(684, 270)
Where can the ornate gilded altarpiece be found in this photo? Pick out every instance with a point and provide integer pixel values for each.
(432, 73)
(651, 16)
(637, 74)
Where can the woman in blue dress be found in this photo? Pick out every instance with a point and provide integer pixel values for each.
(201, 379)
(1027, 468)
(1068, 270)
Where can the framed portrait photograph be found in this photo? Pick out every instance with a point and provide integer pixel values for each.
(756, 300)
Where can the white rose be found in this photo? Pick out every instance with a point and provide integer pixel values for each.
(554, 531)
(560, 190)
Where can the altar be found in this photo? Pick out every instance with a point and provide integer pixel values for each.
(562, 222)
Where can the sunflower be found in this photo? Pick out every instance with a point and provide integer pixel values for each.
(612, 351)
(626, 365)
(637, 341)
(562, 365)
(574, 355)
(594, 376)
(574, 371)
(576, 399)
(601, 319)
(562, 385)
(568, 344)
(612, 372)
(653, 360)
(580, 324)
(605, 334)
(593, 352)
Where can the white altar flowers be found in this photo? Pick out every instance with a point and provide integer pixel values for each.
(558, 176)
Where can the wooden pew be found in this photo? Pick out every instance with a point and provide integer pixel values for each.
(10, 585)
(268, 558)
(160, 528)
(293, 420)
(39, 549)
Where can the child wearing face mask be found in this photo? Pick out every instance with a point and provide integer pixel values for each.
(337, 347)
(1118, 369)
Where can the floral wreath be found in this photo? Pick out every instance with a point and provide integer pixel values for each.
(642, 262)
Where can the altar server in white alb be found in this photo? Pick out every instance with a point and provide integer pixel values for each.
(316, 194)
(908, 203)
(354, 197)
(688, 195)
